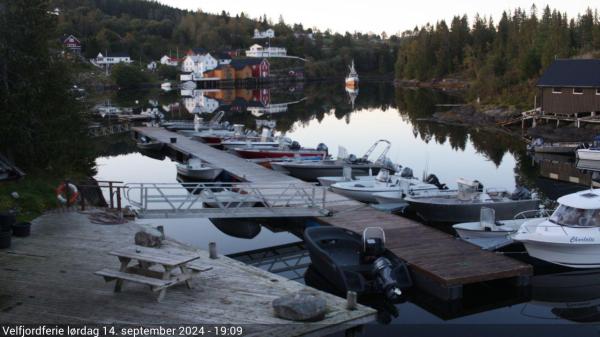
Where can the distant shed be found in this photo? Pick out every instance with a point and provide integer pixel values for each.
(571, 87)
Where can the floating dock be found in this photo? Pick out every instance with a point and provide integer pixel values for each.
(440, 263)
(49, 277)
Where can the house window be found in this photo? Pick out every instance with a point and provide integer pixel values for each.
(577, 91)
(557, 90)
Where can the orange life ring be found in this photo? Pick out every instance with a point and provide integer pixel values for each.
(61, 193)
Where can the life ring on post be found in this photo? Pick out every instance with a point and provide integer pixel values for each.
(65, 190)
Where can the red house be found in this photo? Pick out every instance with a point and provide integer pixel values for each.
(260, 67)
(72, 44)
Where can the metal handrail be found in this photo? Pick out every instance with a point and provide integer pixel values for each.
(187, 196)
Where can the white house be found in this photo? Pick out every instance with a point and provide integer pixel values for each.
(198, 64)
(112, 58)
(257, 50)
(169, 61)
(199, 103)
(267, 34)
(152, 66)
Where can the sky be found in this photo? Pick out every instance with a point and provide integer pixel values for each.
(373, 15)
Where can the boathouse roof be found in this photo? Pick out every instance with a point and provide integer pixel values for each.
(572, 73)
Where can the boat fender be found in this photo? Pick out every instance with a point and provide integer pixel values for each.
(65, 190)
(383, 272)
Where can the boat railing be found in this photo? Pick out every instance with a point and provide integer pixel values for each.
(534, 213)
(531, 229)
(239, 198)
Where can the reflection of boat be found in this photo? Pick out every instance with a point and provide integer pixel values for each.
(311, 170)
(570, 237)
(573, 295)
(489, 233)
(352, 78)
(166, 86)
(239, 228)
(589, 165)
(357, 263)
(292, 151)
(591, 153)
(363, 190)
(464, 204)
(195, 168)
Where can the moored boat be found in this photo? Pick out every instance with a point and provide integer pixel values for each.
(196, 169)
(464, 204)
(570, 237)
(590, 153)
(149, 144)
(352, 262)
(292, 151)
(352, 78)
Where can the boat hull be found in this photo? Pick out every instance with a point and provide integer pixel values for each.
(588, 154)
(565, 254)
(270, 154)
(311, 173)
(153, 146)
(208, 173)
(454, 213)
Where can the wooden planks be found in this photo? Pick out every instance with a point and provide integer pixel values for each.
(434, 256)
(49, 277)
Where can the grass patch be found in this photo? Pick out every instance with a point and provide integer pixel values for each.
(36, 195)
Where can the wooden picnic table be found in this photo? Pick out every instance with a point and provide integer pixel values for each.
(170, 259)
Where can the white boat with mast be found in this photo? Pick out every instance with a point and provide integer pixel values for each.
(352, 78)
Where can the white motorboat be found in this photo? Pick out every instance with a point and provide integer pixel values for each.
(346, 176)
(352, 78)
(590, 153)
(489, 233)
(363, 190)
(570, 237)
(196, 169)
(311, 170)
(464, 204)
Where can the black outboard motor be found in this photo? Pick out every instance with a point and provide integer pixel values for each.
(433, 180)
(352, 158)
(323, 147)
(407, 172)
(295, 146)
(479, 185)
(384, 276)
(520, 193)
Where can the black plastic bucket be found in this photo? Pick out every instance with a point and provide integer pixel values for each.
(4, 239)
(7, 220)
(21, 229)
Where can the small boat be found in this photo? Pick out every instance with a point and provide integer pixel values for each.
(265, 140)
(311, 170)
(352, 78)
(363, 190)
(216, 136)
(590, 153)
(396, 197)
(238, 228)
(570, 237)
(464, 204)
(292, 151)
(149, 144)
(196, 169)
(328, 181)
(489, 233)
(166, 86)
(565, 148)
(352, 262)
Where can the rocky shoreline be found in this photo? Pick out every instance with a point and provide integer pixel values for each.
(470, 115)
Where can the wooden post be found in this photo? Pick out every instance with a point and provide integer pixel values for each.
(212, 250)
(351, 300)
(119, 198)
(110, 193)
(82, 202)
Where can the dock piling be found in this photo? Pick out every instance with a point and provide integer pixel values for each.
(212, 250)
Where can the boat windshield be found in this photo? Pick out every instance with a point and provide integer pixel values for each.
(576, 217)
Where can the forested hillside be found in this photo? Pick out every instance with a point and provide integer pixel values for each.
(148, 30)
(503, 60)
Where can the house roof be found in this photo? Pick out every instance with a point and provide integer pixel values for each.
(241, 63)
(117, 54)
(198, 51)
(71, 37)
(572, 73)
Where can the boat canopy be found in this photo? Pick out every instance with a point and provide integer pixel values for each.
(587, 199)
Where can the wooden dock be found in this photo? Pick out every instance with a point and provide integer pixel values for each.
(440, 263)
(49, 277)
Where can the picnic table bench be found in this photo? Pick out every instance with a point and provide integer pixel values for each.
(170, 259)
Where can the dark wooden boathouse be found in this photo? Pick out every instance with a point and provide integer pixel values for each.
(570, 87)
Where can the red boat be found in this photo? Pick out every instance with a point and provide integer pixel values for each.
(294, 151)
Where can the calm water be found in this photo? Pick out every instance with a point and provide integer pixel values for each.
(325, 113)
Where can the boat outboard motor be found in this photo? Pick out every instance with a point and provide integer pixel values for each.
(407, 172)
(479, 185)
(295, 145)
(433, 180)
(323, 147)
(352, 158)
(384, 276)
(520, 193)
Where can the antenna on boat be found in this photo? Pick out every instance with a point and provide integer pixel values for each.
(426, 170)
